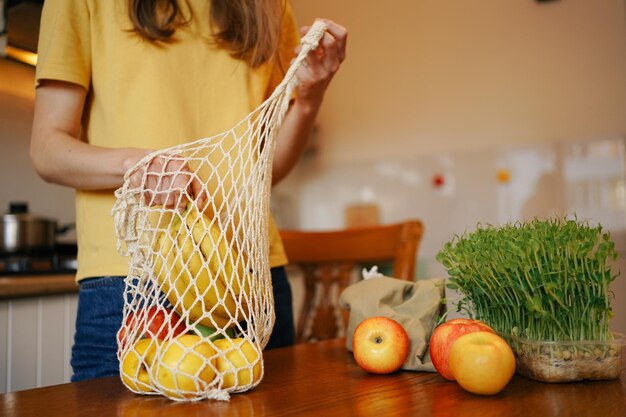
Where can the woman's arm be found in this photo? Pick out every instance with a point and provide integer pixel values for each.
(314, 75)
(56, 151)
(60, 157)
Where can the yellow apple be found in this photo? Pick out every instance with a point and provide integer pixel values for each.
(482, 362)
(184, 366)
(239, 362)
(443, 338)
(136, 364)
(380, 345)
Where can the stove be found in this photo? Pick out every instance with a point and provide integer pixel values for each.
(60, 260)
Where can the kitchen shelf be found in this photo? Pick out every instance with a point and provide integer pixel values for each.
(19, 286)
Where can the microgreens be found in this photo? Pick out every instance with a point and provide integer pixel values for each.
(541, 280)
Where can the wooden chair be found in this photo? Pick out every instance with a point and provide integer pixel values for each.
(330, 260)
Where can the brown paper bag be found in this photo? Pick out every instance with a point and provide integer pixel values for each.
(417, 306)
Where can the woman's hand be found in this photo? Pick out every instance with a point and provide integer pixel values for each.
(167, 182)
(314, 75)
(320, 65)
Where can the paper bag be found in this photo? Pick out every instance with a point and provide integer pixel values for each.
(417, 306)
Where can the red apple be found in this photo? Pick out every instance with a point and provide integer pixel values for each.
(155, 322)
(380, 345)
(445, 335)
(482, 362)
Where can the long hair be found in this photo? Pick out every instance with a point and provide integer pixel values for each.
(249, 29)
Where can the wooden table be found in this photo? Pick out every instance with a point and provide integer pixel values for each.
(323, 380)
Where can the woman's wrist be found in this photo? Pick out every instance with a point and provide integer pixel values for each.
(133, 155)
(305, 107)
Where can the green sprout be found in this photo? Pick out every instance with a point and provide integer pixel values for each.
(541, 280)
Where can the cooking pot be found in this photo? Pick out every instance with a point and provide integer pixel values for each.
(25, 233)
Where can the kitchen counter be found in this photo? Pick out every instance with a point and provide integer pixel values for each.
(323, 379)
(17, 286)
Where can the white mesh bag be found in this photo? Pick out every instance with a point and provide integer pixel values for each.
(198, 305)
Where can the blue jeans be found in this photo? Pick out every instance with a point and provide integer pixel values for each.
(100, 314)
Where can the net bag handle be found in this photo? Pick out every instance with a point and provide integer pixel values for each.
(128, 206)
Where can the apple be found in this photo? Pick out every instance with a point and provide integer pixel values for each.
(443, 338)
(239, 362)
(184, 366)
(136, 364)
(482, 362)
(156, 322)
(380, 345)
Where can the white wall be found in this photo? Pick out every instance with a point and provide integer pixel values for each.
(434, 75)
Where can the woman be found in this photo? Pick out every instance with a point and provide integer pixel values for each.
(117, 79)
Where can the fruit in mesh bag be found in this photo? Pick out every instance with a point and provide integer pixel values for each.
(184, 366)
(224, 261)
(211, 333)
(136, 364)
(156, 322)
(200, 274)
(239, 362)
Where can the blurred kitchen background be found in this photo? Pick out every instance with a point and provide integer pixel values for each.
(452, 112)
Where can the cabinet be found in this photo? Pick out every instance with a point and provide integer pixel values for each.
(36, 337)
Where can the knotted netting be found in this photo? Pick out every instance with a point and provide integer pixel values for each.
(199, 306)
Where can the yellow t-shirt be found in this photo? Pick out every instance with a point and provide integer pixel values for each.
(148, 95)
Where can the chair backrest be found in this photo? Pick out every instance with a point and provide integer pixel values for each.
(329, 260)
